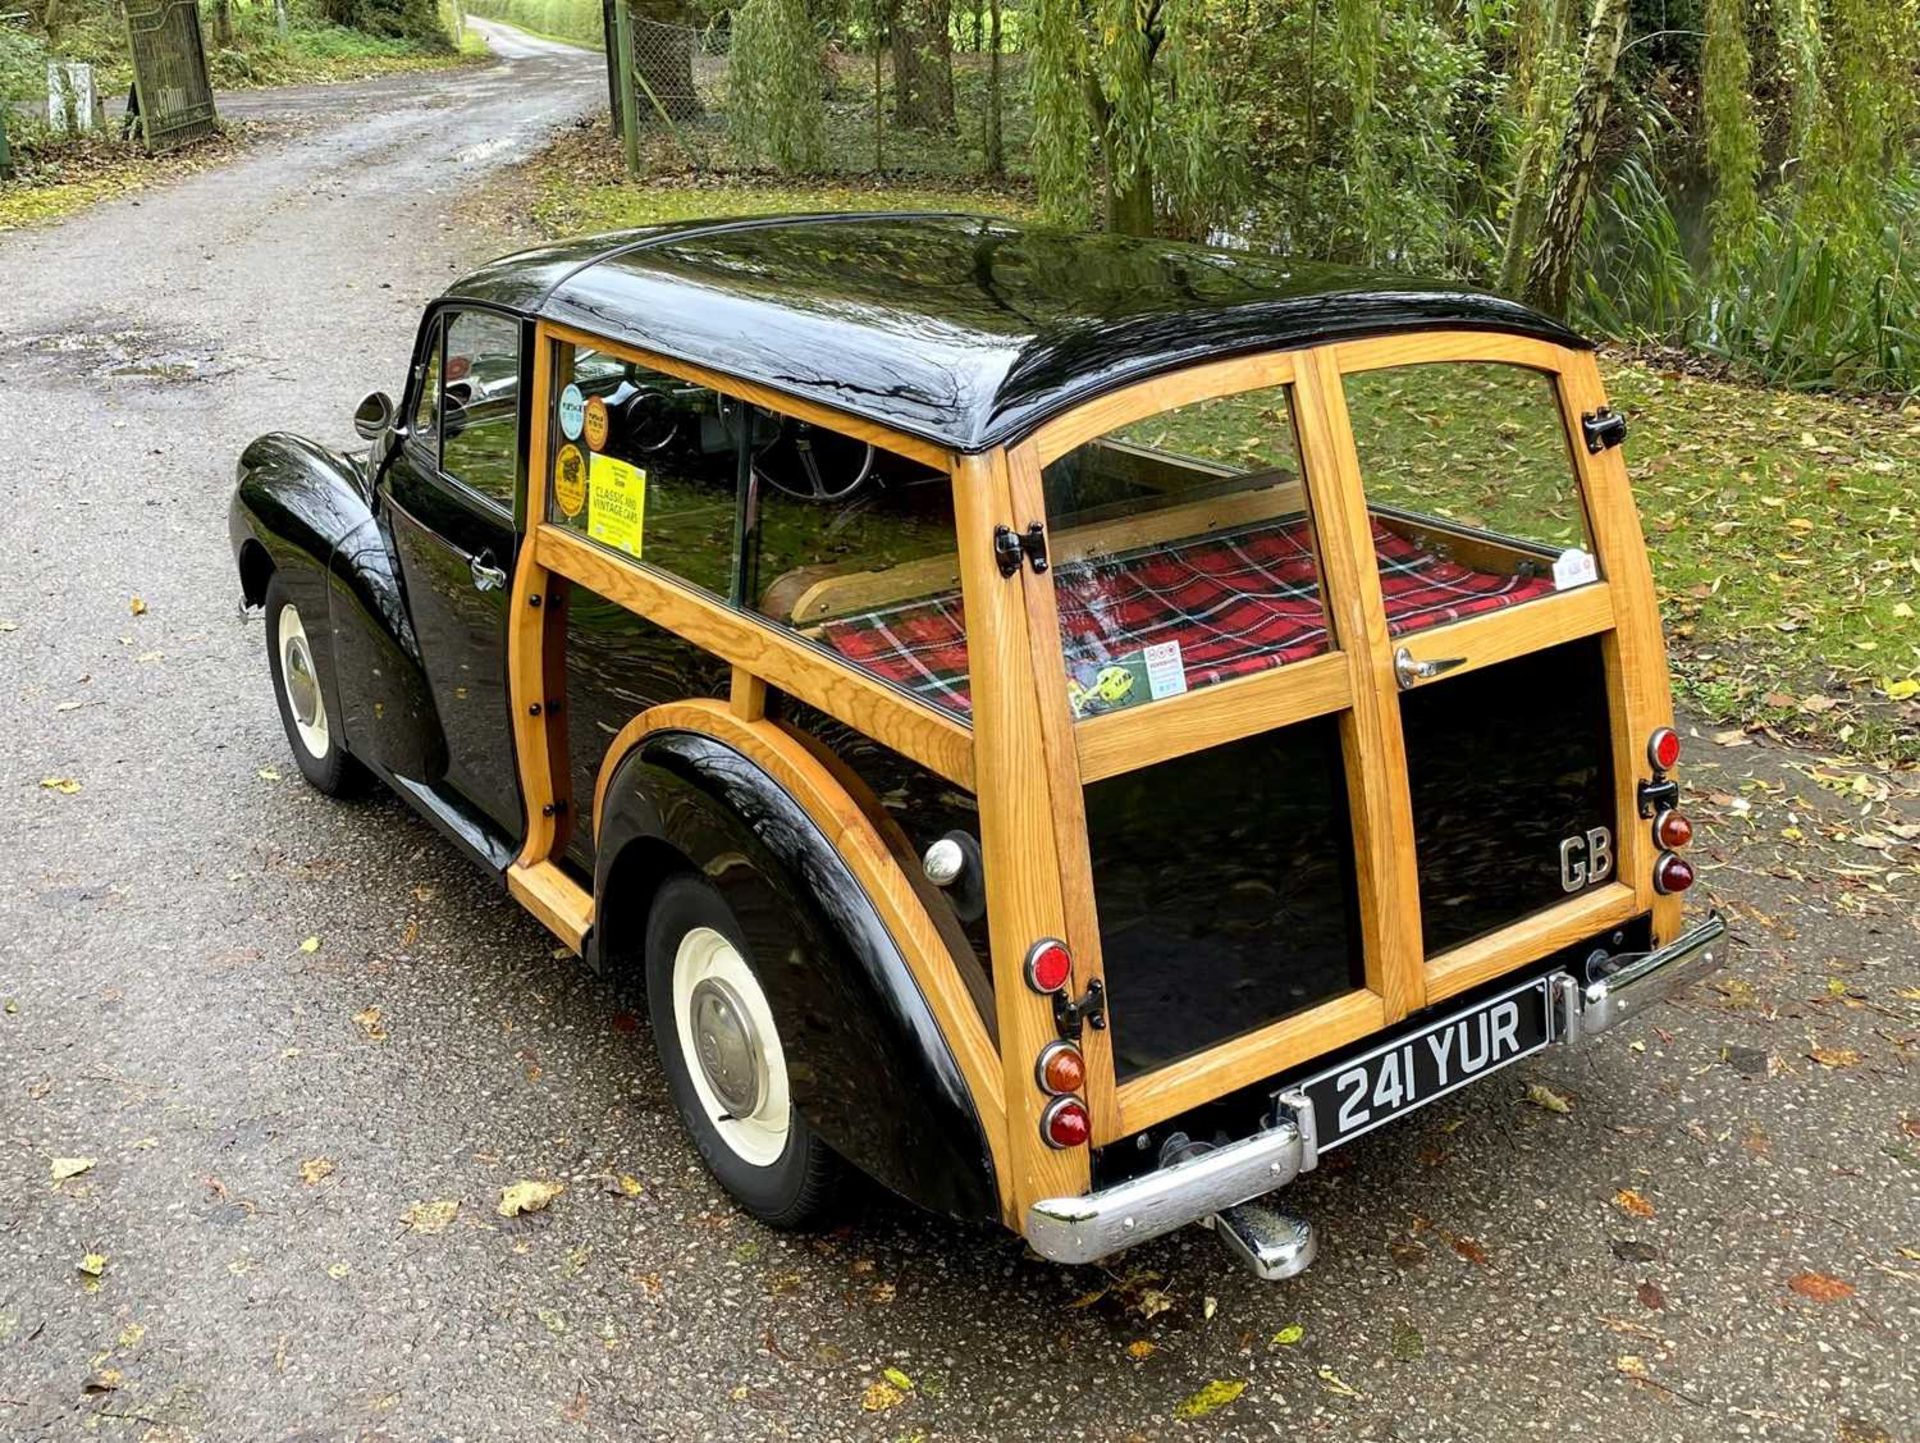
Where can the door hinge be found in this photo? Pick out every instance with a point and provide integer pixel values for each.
(1089, 1009)
(1010, 546)
(1604, 428)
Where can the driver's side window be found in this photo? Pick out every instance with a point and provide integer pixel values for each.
(846, 544)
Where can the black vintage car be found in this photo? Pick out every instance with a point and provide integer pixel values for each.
(1073, 727)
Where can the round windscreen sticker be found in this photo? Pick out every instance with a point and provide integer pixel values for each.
(597, 423)
(573, 411)
(570, 481)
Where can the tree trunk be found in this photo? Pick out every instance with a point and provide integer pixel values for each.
(1550, 273)
(1523, 217)
(923, 64)
(1130, 208)
(663, 45)
(996, 144)
(223, 24)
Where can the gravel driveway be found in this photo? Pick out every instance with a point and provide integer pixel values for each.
(304, 1046)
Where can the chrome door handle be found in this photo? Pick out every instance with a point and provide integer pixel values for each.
(486, 576)
(1410, 673)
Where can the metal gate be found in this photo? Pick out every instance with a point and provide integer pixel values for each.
(171, 93)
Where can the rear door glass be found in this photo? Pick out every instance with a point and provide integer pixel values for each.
(1183, 552)
(1474, 501)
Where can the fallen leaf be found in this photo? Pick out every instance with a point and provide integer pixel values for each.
(104, 1381)
(551, 1321)
(1140, 1349)
(1335, 1384)
(528, 1197)
(1153, 1302)
(1650, 1296)
(66, 1167)
(1632, 1364)
(1471, 1250)
(1820, 1287)
(1405, 1342)
(1734, 737)
(1540, 1095)
(1208, 1307)
(66, 786)
(1210, 1399)
(1629, 1201)
(1834, 1056)
(267, 774)
(881, 1396)
(430, 1217)
(131, 1335)
(311, 944)
(93, 1264)
(1289, 1335)
(313, 1169)
(628, 1185)
(137, 607)
(368, 1021)
(899, 1379)
(337, 1271)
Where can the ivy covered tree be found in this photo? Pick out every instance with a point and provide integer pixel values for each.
(775, 78)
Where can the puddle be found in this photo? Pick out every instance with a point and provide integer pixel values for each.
(130, 355)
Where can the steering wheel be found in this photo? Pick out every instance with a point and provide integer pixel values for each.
(810, 463)
(652, 421)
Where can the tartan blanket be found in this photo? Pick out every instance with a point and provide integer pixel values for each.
(1237, 602)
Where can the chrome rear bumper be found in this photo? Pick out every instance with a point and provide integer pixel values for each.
(1086, 1228)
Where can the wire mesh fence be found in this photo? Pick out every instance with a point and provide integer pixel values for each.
(679, 77)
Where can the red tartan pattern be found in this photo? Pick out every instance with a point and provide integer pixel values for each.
(1237, 603)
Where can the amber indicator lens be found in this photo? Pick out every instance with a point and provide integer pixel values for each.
(1663, 749)
(1049, 966)
(1065, 1123)
(1062, 1068)
(1672, 874)
(1672, 831)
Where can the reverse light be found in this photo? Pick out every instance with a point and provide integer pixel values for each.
(1672, 831)
(1060, 1069)
(1663, 749)
(1049, 965)
(1672, 874)
(1065, 1123)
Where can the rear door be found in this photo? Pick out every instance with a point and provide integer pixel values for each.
(450, 495)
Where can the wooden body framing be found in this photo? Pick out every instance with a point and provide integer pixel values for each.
(1029, 762)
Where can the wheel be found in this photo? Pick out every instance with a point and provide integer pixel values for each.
(726, 1069)
(303, 709)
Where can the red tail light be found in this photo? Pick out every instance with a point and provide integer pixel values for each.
(1663, 749)
(1672, 874)
(1061, 1068)
(1049, 965)
(1672, 831)
(1065, 1123)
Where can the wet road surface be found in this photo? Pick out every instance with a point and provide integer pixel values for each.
(276, 1024)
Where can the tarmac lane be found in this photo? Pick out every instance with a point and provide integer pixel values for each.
(301, 1047)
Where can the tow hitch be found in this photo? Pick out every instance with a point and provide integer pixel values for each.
(1271, 1242)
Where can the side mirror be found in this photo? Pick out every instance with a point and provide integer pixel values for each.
(373, 416)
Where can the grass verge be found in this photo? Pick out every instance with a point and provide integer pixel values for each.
(75, 174)
(1784, 528)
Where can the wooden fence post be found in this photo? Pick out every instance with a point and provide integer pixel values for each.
(629, 111)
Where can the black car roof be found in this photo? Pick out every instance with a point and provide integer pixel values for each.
(967, 331)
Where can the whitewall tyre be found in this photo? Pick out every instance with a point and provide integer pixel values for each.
(293, 658)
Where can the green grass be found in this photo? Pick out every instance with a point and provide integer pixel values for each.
(1784, 528)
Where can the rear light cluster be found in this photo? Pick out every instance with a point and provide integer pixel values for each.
(1060, 1070)
(1672, 873)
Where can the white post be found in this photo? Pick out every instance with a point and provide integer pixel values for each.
(70, 99)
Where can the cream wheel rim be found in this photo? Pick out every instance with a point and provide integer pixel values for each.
(731, 1047)
(301, 684)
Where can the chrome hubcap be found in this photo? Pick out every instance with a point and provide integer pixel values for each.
(302, 690)
(728, 1050)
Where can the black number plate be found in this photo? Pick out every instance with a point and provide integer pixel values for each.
(1358, 1096)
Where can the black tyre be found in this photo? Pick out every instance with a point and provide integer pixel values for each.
(725, 1065)
(316, 742)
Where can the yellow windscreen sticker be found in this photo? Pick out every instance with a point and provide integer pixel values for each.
(616, 504)
(570, 481)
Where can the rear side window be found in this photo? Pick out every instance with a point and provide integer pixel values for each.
(1183, 552)
(1474, 499)
(480, 404)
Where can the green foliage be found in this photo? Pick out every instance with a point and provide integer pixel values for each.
(775, 75)
(1733, 136)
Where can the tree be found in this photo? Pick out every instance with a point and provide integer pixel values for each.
(922, 64)
(1127, 83)
(995, 144)
(1550, 272)
(774, 78)
(1733, 136)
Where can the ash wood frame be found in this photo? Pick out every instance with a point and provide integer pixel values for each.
(1356, 683)
(1029, 762)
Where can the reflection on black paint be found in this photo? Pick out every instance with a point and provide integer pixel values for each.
(1504, 764)
(1225, 886)
(617, 667)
